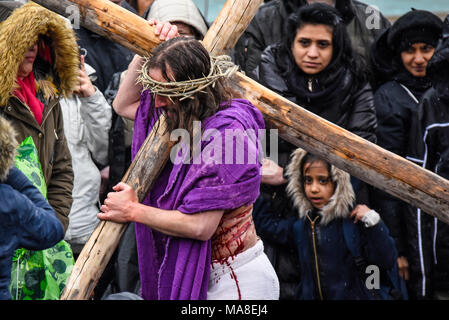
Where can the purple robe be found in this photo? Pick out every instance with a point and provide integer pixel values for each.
(173, 268)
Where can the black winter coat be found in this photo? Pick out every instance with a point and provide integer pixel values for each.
(397, 101)
(434, 119)
(274, 201)
(433, 116)
(396, 108)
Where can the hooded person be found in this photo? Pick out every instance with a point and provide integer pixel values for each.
(322, 201)
(363, 23)
(26, 218)
(415, 26)
(182, 13)
(335, 88)
(87, 120)
(433, 124)
(40, 63)
(399, 58)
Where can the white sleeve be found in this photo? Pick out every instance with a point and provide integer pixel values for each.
(371, 218)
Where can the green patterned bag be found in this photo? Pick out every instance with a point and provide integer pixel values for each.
(38, 275)
(27, 161)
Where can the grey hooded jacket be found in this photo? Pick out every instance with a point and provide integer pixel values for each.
(86, 125)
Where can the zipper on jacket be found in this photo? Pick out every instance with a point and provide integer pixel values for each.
(49, 110)
(44, 116)
(310, 84)
(312, 223)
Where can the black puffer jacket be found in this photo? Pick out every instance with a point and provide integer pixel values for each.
(434, 116)
(267, 28)
(396, 108)
(434, 122)
(396, 101)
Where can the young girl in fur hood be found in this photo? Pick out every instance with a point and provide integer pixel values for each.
(323, 197)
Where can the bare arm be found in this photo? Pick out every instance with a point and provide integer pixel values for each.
(198, 226)
(122, 206)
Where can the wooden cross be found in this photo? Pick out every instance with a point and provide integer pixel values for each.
(116, 23)
(359, 157)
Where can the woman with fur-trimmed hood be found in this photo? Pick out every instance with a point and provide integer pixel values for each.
(323, 199)
(26, 219)
(39, 62)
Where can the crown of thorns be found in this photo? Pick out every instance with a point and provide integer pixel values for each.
(221, 67)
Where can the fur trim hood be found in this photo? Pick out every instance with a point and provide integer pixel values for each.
(19, 32)
(340, 203)
(8, 146)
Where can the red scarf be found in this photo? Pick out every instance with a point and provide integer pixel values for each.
(26, 94)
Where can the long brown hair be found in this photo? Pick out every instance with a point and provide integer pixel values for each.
(188, 59)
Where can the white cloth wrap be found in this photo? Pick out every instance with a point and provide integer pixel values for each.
(249, 271)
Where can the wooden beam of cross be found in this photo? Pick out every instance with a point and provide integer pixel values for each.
(360, 158)
(152, 156)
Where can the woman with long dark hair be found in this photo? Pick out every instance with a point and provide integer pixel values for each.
(316, 67)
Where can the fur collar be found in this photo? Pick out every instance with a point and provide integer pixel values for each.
(340, 203)
(8, 146)
(19, 32)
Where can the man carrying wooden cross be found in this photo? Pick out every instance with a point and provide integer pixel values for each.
(194, 230)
